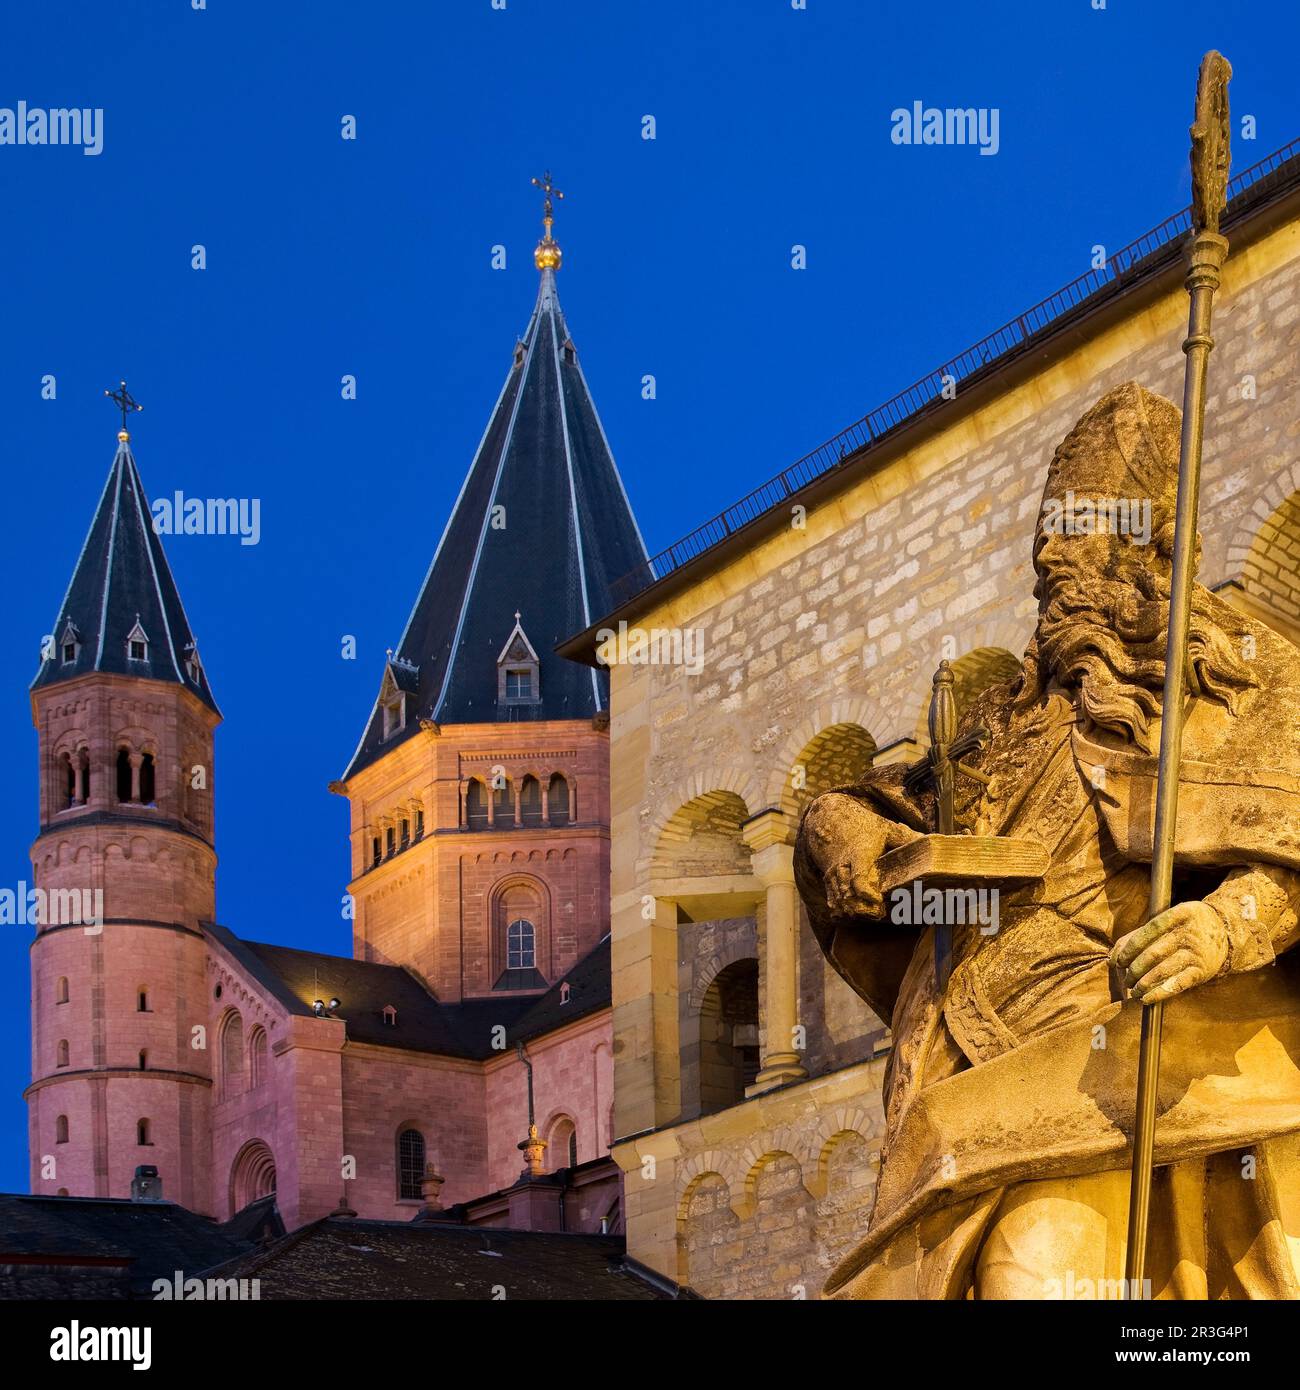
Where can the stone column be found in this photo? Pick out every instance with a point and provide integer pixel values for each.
(770, 837)
(573, 799)
(137, 762)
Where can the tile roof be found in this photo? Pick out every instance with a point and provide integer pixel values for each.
(364, 988)
(121, 580)
(154, 1238)
(568, 534)
(338, 1258)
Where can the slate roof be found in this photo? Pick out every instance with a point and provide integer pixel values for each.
(154, 1239)
(339, 1257)
(568, 534)
(296, 978)
(122, 577)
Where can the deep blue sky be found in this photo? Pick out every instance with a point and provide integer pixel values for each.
(325, 257)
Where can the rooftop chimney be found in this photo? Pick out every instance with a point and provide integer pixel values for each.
(146, 1186)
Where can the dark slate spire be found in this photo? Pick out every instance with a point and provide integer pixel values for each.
(542, 528)
(122, 594)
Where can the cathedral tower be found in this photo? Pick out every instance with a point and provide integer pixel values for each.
(124, 863)
(480, 787)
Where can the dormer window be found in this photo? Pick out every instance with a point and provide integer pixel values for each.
(137, 643)
(69, 644)
(394, 714)
(390, 1016)
(401, 679)
(518, 671)
(569, 352)
(519, 354)
(192, 668)
(564, 992)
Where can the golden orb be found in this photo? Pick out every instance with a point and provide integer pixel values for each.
(123, 437)
(547, 256)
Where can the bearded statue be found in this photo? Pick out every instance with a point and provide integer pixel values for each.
(1010, 1091)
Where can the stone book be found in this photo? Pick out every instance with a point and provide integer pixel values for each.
(963, 860)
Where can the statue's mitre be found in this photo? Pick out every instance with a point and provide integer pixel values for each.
(1126, 446)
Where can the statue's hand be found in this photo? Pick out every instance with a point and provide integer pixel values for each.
(1182, 947)
(845, 838)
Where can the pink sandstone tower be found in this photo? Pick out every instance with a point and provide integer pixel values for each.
(401, 1081)
(125, 719)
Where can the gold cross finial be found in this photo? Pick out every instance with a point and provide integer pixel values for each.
(547, 256)
(126, 403)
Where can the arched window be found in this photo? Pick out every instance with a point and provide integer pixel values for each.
(144, 1059)
(419, 822)
(142, 1132)
(83, 762)
(232, 1056)
(252, 1175)
(257, 1052)
(61, 1053)
(69, 780)
(124, 774)
(557, 797)
(503, 803)
(410, 1165)
(61, 1129)
(390, 841)
(562, 1144)
(147, 794)
(729, 1036)
(376, 850)
(142, 1000)
(530, 801)
(521, 945)
(520, 917)
(476, 810)
(61, 990)
(406, 832)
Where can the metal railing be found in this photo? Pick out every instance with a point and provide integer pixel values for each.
(909, 403)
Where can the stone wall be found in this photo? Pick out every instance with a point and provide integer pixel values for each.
(763, 1199)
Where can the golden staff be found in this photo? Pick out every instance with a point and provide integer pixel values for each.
(1205, 257)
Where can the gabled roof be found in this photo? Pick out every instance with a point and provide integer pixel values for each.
(365, 988)
(121, 583)
(542, 527)
(517, 647)
(347, 1258)
(150, 1240)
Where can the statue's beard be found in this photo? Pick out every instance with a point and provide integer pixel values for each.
(1101, 637)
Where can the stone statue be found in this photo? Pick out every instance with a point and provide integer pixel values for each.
(1010, 1092)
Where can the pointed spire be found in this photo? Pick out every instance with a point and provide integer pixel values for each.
(542, 525)
(122, 612)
